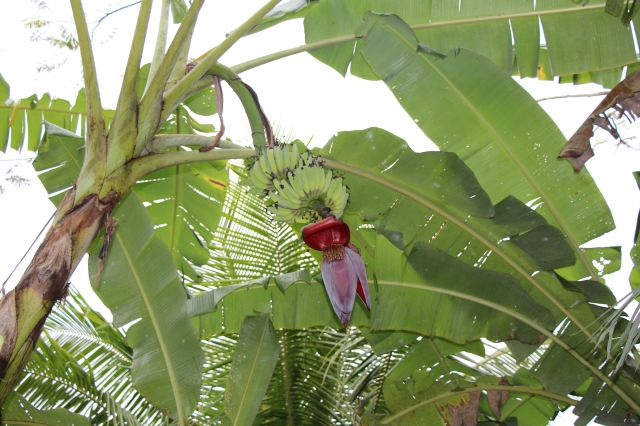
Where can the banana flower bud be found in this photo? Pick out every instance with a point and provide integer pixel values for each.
(343, 270)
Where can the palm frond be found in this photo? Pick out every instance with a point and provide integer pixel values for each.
(82, 363)
(249, 244)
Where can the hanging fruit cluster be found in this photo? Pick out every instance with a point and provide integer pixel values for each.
(299, 188)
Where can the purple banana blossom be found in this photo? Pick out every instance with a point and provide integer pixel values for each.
(343, 270)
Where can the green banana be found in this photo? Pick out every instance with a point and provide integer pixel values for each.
(298, 187)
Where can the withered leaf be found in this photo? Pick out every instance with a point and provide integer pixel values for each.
(497, 398)
(465, 414)
(624, 98)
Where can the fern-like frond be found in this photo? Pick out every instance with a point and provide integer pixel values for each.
(82, 363)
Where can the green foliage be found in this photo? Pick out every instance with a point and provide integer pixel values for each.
(486, 29)
(19, 411)
(496, 123)
(22, 121)
(59, 160)
(138, 281)
(83, 364)
(475, 244)
(184, 202)
(253, 364)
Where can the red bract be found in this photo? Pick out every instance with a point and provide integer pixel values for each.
(343, 270)
(326, 233)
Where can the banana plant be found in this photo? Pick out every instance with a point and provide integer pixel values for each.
(481, 240)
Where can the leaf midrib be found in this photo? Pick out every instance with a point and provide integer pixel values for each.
(157, 329)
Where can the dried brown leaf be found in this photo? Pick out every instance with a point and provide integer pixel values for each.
(465, 414)
(497, 398)
(624, 98)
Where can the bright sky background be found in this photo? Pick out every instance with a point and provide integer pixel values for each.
(302, 97)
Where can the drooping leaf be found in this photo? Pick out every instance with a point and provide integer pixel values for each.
(178, 10)
(388, 190)
(19, 411)
(443, 177)
(253, 364)
(427, 284)
(624, 98)
(486, 118)
(571, 53)
(428, 370)
(601, 404)
(138, 281)
(5, 114)
(208, 301)
(433, 384)
(22, 121)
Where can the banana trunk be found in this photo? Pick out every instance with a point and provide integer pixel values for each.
(24, 309)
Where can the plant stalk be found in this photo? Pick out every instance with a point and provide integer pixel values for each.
(151, 103)
(123, 132)
(175, 94)
(136, 169)
(94, 166)
(164, 141)
(161, 41)
(24, 309)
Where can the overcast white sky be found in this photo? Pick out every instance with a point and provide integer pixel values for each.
(302, 97)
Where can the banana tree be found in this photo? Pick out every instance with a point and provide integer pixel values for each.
(481, 240)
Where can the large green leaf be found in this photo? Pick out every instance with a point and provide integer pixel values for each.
(185, 203)
(19, 411)
(249, 245)
(407, 218)
(493, 124)
(389, 190)
(138, 281)
(486, 28)
(421, 283)
(570, 52)
(428, 285)
(253, 364)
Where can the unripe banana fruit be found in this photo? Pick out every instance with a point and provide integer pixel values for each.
(299, 188)
(275, 163)
(307, 194)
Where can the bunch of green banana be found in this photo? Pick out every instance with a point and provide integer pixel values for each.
(274, 163)
(308, 193)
